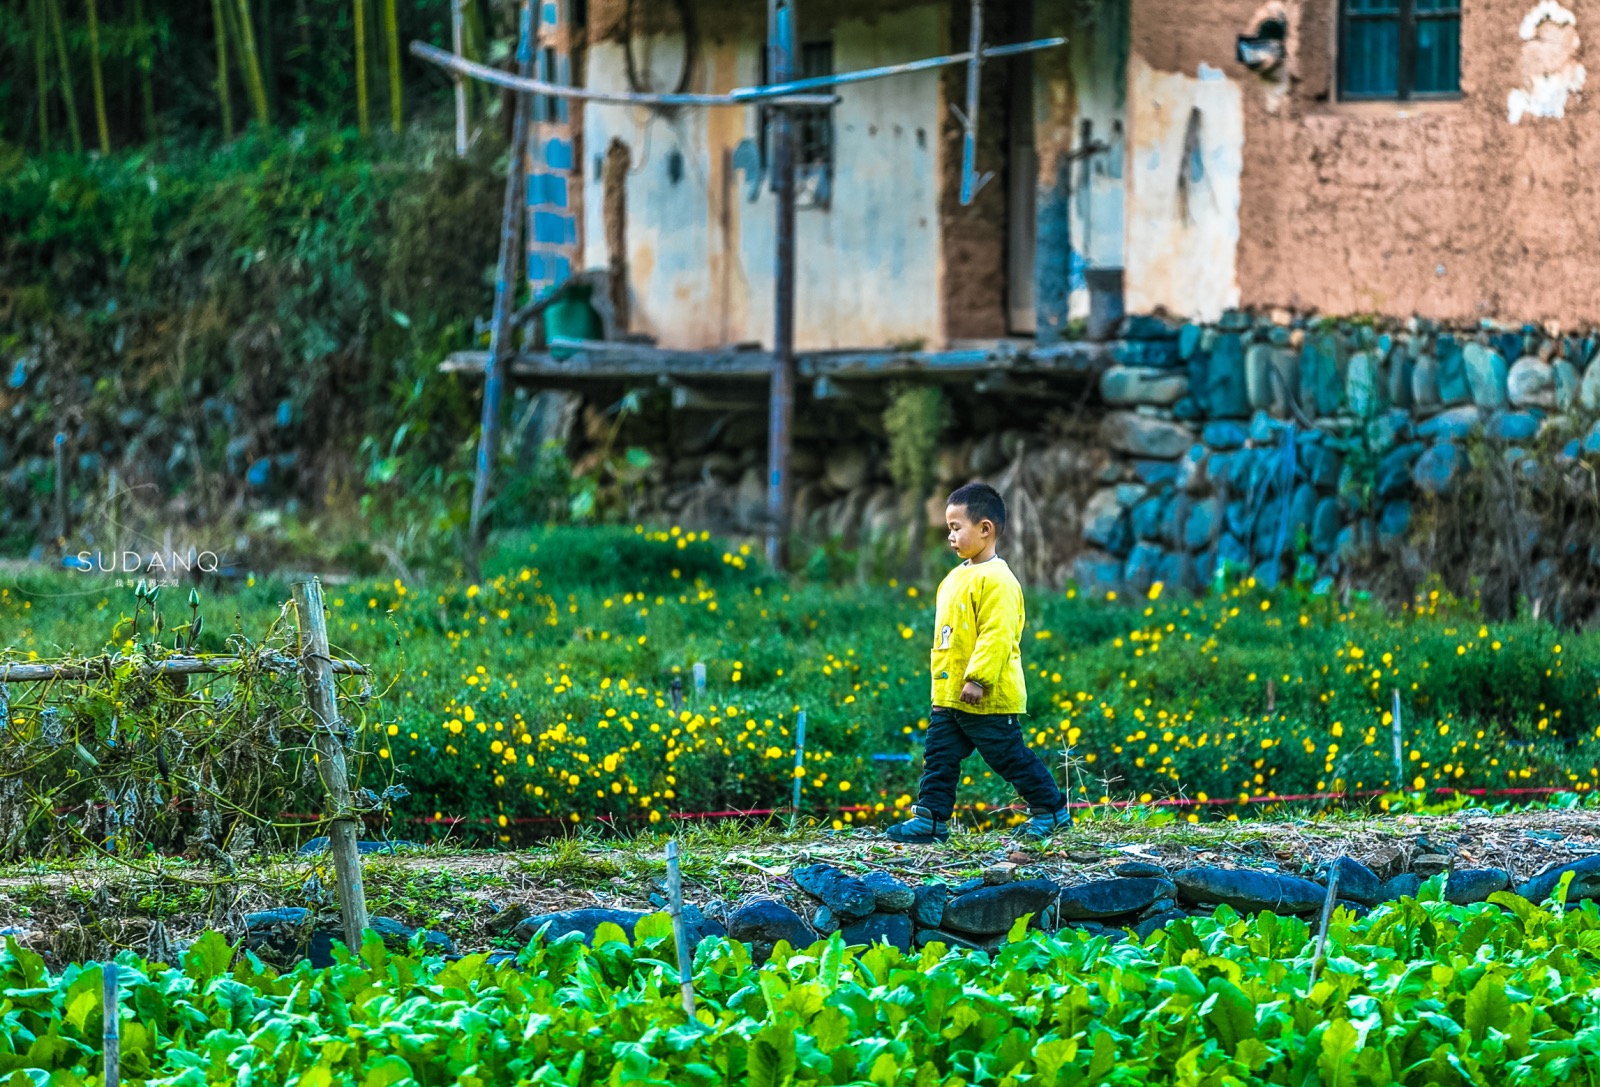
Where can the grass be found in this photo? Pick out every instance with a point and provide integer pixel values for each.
(541, 698)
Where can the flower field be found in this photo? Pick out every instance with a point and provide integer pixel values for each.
(562, 688)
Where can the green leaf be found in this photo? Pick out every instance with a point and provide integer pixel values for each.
(609, 933)
(653, 926)
(81, 1007)
(1487, 1007)
(885, 1070)
(209, 957)
(1019, 929)
(387, 1071)
(830, 1029)
(772, 1057)
(1337, 1060)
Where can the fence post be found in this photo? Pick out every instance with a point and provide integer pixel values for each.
(799, 766)
(316, 674)
(1322, 929)
(679, 933)
(111, 1036)
(1399, 755)
(699, 679)
(63, 519)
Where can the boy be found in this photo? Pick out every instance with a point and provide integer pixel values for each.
(978, 685)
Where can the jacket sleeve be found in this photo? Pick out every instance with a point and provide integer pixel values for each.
(998, 617)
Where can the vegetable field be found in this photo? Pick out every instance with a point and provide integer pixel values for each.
(1417, 993)
(561, 689)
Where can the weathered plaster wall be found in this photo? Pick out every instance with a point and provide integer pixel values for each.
(701, 217)
(1443, 209)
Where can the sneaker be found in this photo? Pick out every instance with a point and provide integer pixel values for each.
(921, 829)
(1043, 824)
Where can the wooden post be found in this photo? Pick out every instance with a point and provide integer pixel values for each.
(799, 766)
(680, 934)
(781, 37)
(111, 1036)
(699, 679)
(316, 674)
(505, 285)
(62, 524)
(1322, 929)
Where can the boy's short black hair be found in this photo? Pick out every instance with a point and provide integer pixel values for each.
(982, 503)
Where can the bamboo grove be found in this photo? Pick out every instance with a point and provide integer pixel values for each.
(98, 75)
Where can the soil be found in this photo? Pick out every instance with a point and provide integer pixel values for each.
(77, 911)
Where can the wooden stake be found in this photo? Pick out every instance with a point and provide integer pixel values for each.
(316, 674)
(699, 679)
(457, 27)
(799, 766)
(62, 524)
(111, 1037)
(680, 934)
(1322, 929)
(1399, 755)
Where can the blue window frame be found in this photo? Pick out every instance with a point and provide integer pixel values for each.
(1400, 49)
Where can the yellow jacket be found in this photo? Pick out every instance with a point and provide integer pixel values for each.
(977, 635)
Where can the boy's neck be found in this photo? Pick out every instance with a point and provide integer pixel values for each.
(983, 556)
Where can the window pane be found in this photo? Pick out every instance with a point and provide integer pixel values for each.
(1438, 56)
(1374, 7)
(1372, 57)
(1425, 6)
(814, 127)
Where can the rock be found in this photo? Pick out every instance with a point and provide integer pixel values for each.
(1160, 905)
(1468, 885)
(1101, 515)
(1141, 870)
(285, 932)
(991, 910)
(890, 894)
(1321, 466)
(1110, 897)
(582, 921)
(1486, 375)
(1512, 426)
(848, 897)
(824, 921)
(1174, 519)
(1097, 573)
(1453, 385)
(1148, 328)
(1401, 369)
(1359, 909)
(1302, 508)
(1249, 891)
(1321, 387)
(397, 934)
(1260, 377)
(1143, 564)
(1148, 354)
(1356, 880)
(1325, 524)
(1361, 385)
(1141, 436)
(1428, 865)
(1394, 522)
(1189, 340)
(1452, 425)
(1156, 473)
(996, 874)
(1568, 382)
(1589, 389)
(1191, 477)
(1425, 382)
(1585, 879)
(1151, 925)
(764, 922)
(1264, 429)
(506, 919)
(1127, 385)
(1531, 383)
(928, 911)
(1224, 392)
(1388, 429)
(1394, 470)
(1146, 517)
(1205, 521)
(880, 928)
(1405, 885)
(1224, 434)
(1437, 468)
(967, 885)
(847, 468)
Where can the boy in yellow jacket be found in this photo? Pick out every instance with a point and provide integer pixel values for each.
(978, 686)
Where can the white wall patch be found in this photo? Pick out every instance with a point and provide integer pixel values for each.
(1550, 68)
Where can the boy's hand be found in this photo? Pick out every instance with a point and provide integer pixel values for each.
(972, 693)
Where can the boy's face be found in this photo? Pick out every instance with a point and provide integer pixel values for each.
(967, 539)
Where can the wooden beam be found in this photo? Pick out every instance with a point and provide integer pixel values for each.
(173, 666)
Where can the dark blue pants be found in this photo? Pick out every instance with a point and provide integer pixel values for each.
(955, 734)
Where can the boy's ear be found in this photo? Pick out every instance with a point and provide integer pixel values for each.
(987, 527)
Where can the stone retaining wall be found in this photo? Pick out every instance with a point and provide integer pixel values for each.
(1293, 447)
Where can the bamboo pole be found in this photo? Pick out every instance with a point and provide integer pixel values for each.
(362, 120)
(317, 677)
(172, 666)
(249, 62)
(680, 934)
(111, 1033)
(456, 35)
(219, 17)
(54, 8)
(97, 79)
(391, 33)
(1328, 902)
(799, 767)
(41, 67)
(63, 513)
(146, 63)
